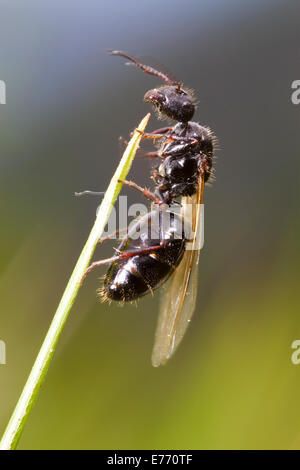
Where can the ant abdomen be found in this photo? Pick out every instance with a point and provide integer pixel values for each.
(155, 246)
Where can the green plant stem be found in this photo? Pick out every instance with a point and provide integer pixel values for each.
(16, 424)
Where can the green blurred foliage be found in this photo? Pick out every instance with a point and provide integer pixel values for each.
(232, 383)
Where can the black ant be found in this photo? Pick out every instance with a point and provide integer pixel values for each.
(154, 250)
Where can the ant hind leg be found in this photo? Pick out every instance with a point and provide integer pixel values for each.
(123, 255)
(113, 235)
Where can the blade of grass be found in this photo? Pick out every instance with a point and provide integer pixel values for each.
(29, 394)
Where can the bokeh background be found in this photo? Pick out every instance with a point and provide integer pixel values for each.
(231, 384)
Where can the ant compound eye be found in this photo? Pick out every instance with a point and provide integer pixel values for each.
(186, 105)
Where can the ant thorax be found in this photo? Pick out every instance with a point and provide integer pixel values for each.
(182, 161)
(197, 140)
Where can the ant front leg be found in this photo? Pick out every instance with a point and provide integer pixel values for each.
(155, 135)
(122, 143)
(185, 141)
(162, 130)
(165, 132)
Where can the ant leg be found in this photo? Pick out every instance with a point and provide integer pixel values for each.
(144, 251)
(163, 130)
(153, 135)
(155, 176)
(112, 235)
(156, 155)
(190, 141)
(122, 143)
(144, 191)
(153, 155)
(124, 255)
(96, 264)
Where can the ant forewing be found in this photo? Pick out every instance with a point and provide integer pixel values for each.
(178, 300)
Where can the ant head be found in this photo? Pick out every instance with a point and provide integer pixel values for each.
(170, 100)
(173, 102)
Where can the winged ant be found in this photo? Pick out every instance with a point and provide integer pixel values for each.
(146, 258)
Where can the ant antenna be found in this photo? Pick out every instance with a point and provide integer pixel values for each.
(93, 193)
(146, 68)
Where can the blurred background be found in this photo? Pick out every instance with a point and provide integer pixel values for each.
(231, 384)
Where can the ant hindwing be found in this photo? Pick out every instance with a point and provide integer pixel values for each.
(149, 255)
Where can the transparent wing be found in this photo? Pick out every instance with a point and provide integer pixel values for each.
(179, 298)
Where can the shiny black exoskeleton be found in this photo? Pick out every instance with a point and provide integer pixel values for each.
(172, 101)
(145, 260)
(159, 243)
(187, 147)
(178, 173)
